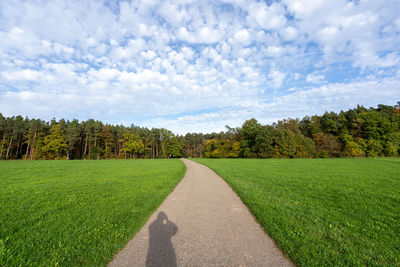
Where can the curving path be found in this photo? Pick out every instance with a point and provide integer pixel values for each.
(201, 223)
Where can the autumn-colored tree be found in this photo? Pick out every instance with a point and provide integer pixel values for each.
(209, 148)
(54, 145)
(390, 150)
(234, 150)
(132, 145)
(221, 148)
(353, 149)
(327, 145)
(305, 147)
(289, 125)
(356, 132)
(285, 144)
(396, 109)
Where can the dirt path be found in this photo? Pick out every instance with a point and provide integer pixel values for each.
(201, 223)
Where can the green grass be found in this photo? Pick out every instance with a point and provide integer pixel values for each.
(73, 213)
(323, 212)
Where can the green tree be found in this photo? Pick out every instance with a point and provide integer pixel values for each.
(174, 148)
(72, 136)
(310, 126)
(375, 125)
(108, 141)
(257, 140)
(374, 148)
(330, 123)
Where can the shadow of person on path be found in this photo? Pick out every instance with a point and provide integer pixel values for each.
(161, 252)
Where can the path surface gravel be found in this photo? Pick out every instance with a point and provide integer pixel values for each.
(201, 223)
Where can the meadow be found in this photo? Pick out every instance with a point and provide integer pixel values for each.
(322, 212)
(74, 213)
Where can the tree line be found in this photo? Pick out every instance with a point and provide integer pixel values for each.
(359, 132)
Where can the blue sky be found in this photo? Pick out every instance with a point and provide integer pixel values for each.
(196, 66)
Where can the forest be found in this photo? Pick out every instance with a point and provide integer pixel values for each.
(358, 132)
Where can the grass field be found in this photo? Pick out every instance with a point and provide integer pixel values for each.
(73, 213)
(323, 212)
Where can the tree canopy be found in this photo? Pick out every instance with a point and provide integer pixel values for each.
(359, 132)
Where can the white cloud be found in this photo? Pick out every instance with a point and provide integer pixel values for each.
(277, 77)
(303, 8)
(315, 78)
(148, 55)
(289, 33)
(207, 35)
(242, 37)
(336, 96)
(22, 75)
(203, 35)
(171, 13)
(184, 35)
(267, 17)
(274, 51)
(145, 61)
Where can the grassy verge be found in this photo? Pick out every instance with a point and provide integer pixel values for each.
(77, 212)
(323, 212)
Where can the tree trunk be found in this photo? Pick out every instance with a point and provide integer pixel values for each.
(86, 141)
(33, 145)
(9, 146)
(95, 142)
(81, 146)
(144, 151)
(18, 144)
(2, 144)
(157, 150)
(27, 149)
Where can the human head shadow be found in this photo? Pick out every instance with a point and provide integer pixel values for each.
(161, 252)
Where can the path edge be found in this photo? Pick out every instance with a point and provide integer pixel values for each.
(155, 210)
(254, 217)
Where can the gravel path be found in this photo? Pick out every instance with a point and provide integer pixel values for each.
(201, 223)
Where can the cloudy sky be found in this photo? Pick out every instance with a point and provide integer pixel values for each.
(196, 65)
